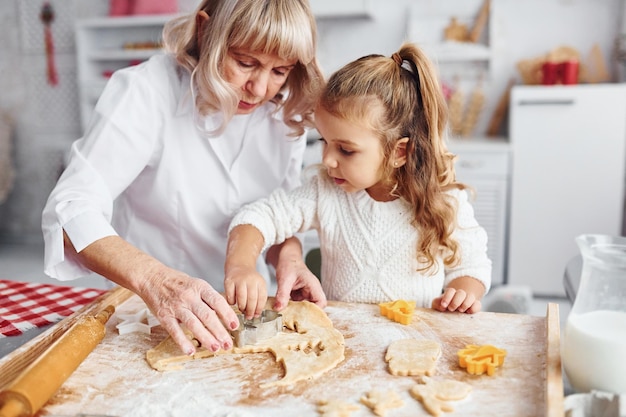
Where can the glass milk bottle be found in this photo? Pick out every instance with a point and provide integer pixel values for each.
(594, 343)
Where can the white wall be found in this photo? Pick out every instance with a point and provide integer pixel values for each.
(47, 119)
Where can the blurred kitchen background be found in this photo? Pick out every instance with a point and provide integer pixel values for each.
(547, 162)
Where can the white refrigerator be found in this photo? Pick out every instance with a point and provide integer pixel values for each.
(568, 147)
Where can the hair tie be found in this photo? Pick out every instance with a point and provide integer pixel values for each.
(396, 57)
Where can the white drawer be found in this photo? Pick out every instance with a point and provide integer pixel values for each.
(482, 164)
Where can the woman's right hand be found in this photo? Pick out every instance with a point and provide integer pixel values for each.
(177, 298)
(174, 297)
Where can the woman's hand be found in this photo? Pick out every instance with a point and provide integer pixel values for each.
(463, 294)
(245, 287)
(177, 298)
(173, 297)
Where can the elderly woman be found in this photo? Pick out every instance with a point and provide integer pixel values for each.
(176, 145)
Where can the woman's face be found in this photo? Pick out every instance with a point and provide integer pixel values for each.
(258, 76)
(352, 155)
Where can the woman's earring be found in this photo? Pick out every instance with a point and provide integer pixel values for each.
(395, 164)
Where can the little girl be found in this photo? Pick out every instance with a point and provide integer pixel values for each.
(393, 222)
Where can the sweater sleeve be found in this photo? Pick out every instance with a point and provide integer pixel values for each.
(472, 240)
(282, 214)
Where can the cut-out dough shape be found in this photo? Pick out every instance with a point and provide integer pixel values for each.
(480, 359)
(336, 408)
(309, 348)
(413, 357)
(399, 310)
(381, 401)
(435, 395)
(141, 322)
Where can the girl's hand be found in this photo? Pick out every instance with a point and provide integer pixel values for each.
(245, 287)
(295, 281)
(463, 294)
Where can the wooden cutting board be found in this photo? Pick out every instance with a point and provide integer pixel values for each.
(116, 380)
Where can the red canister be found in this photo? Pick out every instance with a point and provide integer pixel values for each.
(549, 73)
(569, 72)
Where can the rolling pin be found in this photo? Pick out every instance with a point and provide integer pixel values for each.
(41, 379)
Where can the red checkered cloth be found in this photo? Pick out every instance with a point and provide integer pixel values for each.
(25, 305)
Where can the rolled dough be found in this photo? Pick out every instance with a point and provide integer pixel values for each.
(308, 346)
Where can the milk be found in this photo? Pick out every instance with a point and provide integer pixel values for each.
(594, 351)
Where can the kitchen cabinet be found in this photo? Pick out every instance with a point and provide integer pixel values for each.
(484, 165)
(568, 152)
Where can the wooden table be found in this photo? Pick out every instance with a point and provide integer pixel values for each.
(116, 380)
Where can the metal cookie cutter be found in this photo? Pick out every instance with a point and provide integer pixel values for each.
(249, 332)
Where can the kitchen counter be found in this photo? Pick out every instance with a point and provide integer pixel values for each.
(116, 379)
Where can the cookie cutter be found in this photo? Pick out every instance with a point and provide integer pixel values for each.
(141, 322)
(481, 359)
(399, 310)
(249, 332)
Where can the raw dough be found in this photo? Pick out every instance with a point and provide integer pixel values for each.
(309, 347)
(381, 401)
(434, 395)
(336, 408)
(413, 357)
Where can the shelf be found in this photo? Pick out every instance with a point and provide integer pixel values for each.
(101, 48)
(122, 54)
(341, 8)
(427, 25)
(125, 21)
(458, 51)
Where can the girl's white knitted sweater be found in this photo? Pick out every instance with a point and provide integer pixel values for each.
(368, 247)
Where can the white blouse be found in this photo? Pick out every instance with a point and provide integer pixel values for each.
(144, 171)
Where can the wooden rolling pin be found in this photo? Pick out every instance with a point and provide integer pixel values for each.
(39, 381)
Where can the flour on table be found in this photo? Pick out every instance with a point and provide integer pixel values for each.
(336, 408)
(413, 357)
(308, 347)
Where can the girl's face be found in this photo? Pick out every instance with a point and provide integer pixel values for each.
(257, 75)
(352, 154)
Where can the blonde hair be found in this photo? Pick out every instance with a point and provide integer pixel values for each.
(400, 97)
(286, 28)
